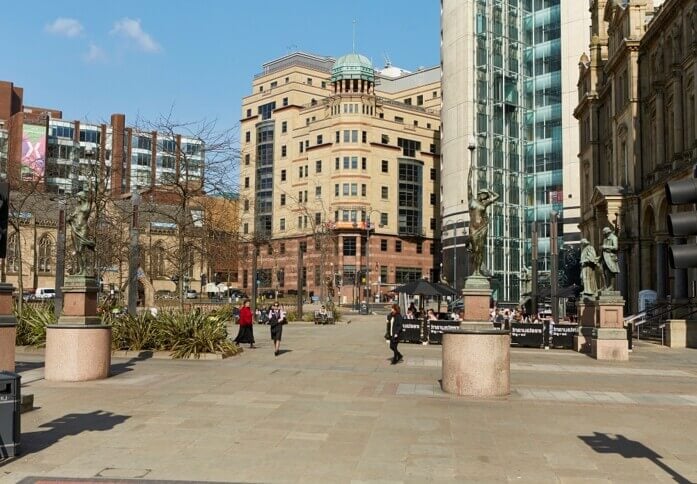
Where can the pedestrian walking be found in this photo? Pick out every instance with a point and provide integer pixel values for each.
(395, 330)
(246, 333)
(277, 319)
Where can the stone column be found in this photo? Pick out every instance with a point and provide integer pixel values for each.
(660, 129)
(8, 329)
(677, 114)
(661, 270)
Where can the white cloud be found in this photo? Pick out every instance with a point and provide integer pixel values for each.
(131, 29)
(94, 54)
(69, 27)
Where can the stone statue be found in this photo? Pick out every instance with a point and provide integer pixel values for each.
(525, 280)
(610, 265)
(479, 221)
(82, 244)
(589, 269)
(693, 24)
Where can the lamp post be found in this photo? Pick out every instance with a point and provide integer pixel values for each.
(554, 249)
(534, 267)
(134, 258)
(60, 259)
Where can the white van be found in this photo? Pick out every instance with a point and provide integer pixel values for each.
(45, 293)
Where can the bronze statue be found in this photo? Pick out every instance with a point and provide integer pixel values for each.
(610, 265)
(79, 230)
(589, 269)
(479, 221)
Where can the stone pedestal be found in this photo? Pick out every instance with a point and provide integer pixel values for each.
(609, 336)
(8, 329)
(586, 322)
(78, 347)
(477, 363)
(476, 357)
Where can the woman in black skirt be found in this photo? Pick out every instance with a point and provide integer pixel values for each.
(246, 333)
(276, 321)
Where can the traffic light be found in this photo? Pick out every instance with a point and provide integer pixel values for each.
(682, 224)
(4, 217)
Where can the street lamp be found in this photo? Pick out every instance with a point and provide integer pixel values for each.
(134, 258)
(554, 276)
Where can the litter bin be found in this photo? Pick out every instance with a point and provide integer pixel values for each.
(10, 403)
(363, 309)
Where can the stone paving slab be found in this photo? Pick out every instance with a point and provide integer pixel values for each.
(334, 410)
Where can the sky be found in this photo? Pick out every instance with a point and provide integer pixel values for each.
(143, 57)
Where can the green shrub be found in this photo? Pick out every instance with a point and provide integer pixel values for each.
(192, 333)
(31, 323)
(135, 333)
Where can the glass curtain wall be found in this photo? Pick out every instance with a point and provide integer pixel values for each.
(543, 132)
(501, 112)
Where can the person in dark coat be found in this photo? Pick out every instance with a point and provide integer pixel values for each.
(246, 333)
(395, 330)
(277, 319)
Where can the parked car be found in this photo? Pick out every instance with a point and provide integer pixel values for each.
(45, 293)
(191, 294)
(28, 295)
(164, 294)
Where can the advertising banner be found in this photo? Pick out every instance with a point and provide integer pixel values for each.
(33, 151)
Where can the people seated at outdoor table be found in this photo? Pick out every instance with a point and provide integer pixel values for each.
(431, 315)
(410, 314)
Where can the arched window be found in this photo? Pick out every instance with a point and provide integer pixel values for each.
(45, 256)
(13, 253)
(157, 262)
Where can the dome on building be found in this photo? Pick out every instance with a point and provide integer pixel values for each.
(353, 66)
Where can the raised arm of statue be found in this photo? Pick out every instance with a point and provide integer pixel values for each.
(470, 186)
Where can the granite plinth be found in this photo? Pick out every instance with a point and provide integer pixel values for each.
(8, 328)
(80, 300)
(610, 310)
(610, 344)
(476, 363)
(587, 312)
(475, 299)
(77, 352)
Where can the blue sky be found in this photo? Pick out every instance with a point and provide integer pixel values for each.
(91, 59)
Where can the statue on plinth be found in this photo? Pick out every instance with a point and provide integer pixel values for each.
(479, 221)
(610, 264)
(83, 246)
(525, 281)
(589, 268)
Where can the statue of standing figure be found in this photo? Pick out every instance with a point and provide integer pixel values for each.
(610, 264)
(589, 269)
(479, 221)
(82, 244)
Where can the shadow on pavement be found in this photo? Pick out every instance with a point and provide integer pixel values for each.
(119, 368)
(71, 424)
(21, 366)
(283, 352)
(629, 449)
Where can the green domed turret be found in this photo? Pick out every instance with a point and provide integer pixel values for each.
(353, 66)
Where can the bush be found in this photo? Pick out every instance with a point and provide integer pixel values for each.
(193, 333)
(134, 333)
(31, 323)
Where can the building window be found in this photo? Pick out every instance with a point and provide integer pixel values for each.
(300, 171)
(302, 147)
(284, 151)
(246, 182)
(383, 219)
(346, 189)
(157, 261)
(245, 228)
(407, 274)
(364, 163)
(385, 139)
(407, 101)
(354, 136)
(336, 189)
(249, 113)
(246, 159)
(420, 100)
(246, 205)
(306, 171)
(385, 166)
(354, 162)
(409, 147)
(419, 247)
(318, 166)
(354, 189)
(248, 136)
(384, 191)
(337, 163)
(283, 199)
(347, 136)
(383, 245)
(303, 247)
(337, 137)
(349, 246)
(319, 139)
(399, 119)
(433, 224)
(45, 261)
(433, 173)
(318, 192)
(398, 246)
(309, 81)
(282, 247)
(318, 218)
(284, 127)
(347, 162)
(245, 276)
(282, 224)
(433, 198)
(364, 137)
(283, 175)
(285, 101)
(364, 190)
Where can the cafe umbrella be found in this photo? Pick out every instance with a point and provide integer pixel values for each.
(423, 287)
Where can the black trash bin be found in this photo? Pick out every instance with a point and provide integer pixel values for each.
(363, 309)
(10, 408)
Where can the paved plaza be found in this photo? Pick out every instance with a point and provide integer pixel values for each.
(332, 409)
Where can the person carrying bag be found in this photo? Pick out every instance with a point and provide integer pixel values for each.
(277, 319)
(395, 330)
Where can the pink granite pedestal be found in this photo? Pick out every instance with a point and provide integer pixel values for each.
(78, 347)
(587, 310)
(476, 357)
(8, 329)
(609, 336)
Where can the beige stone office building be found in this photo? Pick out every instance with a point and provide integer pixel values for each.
(638, 128)
(341, 160)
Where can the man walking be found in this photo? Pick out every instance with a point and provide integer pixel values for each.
(395, 331)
